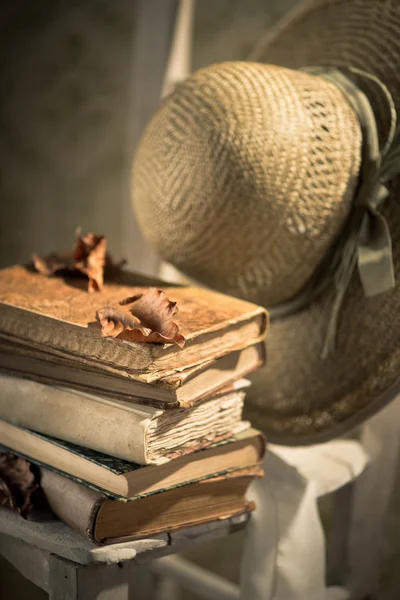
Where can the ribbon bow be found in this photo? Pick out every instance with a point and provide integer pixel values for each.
(365, 241)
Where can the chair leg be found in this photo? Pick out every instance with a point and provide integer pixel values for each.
(155, 25)
(284, 553)
(123, 581)
(371, 494)
(167, 589)
(194, 578)
(178, 68)
(179, 63)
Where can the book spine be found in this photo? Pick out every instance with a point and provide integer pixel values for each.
(75, 504)
(75, 339)
(78, 506)
(77, 418)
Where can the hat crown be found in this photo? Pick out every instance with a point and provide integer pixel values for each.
(245, 176)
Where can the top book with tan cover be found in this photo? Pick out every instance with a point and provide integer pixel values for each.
(59, 313)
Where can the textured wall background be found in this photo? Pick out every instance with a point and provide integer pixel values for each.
(64, 76)
(64, 113)
(65, 85)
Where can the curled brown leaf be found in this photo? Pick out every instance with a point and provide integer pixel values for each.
(148, 319)
(51, 264)
(18, 485)
(89, 253)
(88, 257)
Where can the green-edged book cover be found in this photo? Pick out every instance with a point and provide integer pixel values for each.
(117, 466)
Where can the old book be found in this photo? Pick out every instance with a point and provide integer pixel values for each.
(60, 314)
(103, 520)
(127, 479)
(182, 389)
(134, 432)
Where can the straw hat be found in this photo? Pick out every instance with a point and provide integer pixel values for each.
(279, 183)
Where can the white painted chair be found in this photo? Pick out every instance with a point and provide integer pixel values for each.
(286, 556)
(69, 567)
(285, 549)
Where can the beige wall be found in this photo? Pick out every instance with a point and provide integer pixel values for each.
(65, 84)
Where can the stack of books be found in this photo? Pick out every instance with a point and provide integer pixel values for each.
(135, 422)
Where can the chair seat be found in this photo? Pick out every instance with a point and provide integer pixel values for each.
(57, 538)
(330, 466)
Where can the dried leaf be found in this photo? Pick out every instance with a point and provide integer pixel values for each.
(18, 484)
(148, 319)
(89, 253)
(6, 498)
(88, 257)
(52, 263)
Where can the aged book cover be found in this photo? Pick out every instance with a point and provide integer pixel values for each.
(134, 432)
(183, 388)
(60, 314)
(105, 520)
(126, 479)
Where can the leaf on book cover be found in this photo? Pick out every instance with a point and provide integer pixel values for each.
(18, 485)
(148, 319)
(89, 253)
(88, 257)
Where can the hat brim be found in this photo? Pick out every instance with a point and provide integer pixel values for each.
(299, 398)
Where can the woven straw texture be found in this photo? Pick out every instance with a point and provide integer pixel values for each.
(243, 180)
(245, 174)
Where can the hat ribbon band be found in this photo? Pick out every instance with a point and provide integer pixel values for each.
(365, 241)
